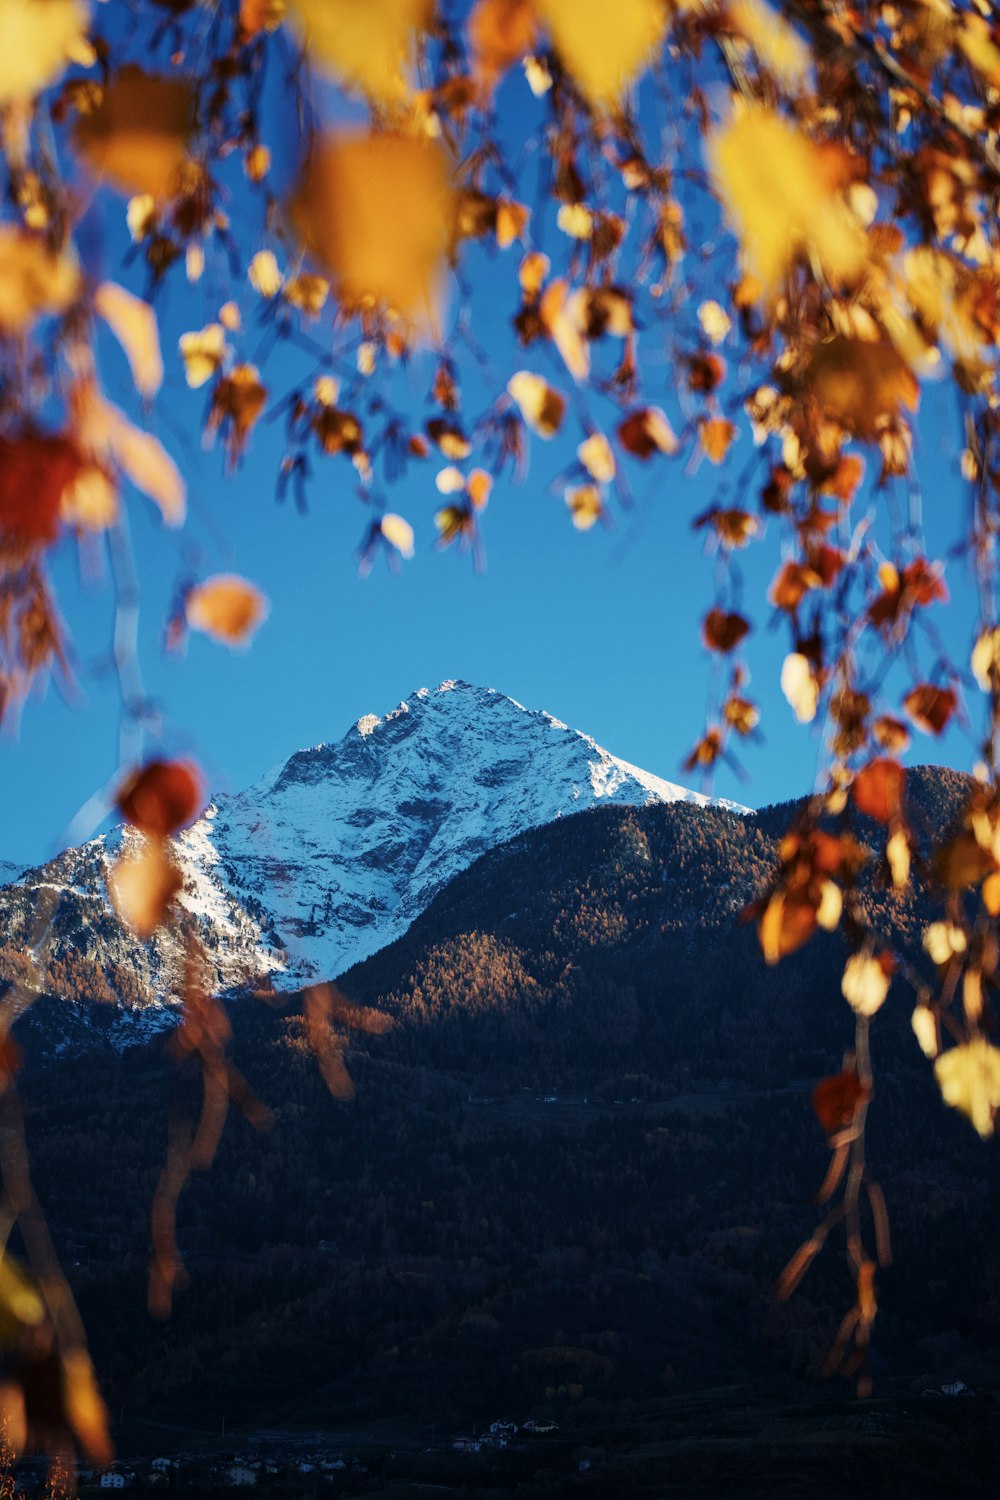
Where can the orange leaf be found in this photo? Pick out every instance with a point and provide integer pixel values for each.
(787, 921)
(227, 608)
(716, 435)
(878, 790)
(377, 210)
(846, 479)
(142, 885)
(500, 33)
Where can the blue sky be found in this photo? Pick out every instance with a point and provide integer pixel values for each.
(601, 629)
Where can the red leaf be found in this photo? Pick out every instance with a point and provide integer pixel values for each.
(836, 1101)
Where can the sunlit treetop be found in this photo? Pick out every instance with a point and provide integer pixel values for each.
(743, 235)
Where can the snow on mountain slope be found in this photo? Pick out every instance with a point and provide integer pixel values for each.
(333, 853)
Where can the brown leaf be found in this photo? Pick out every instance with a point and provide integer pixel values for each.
(962, 861)
(791, 584)
(723, 632)
(645, 432)
(930, 707)
(861, 384)
(891, 734)
(137, 135)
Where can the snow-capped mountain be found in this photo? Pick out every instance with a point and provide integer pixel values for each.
(333, 853)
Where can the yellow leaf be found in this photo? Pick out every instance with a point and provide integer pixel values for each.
(377, 211)
(576, 220)
(969, 1079)
(133, 323)
(800, 687)
(897, 854)
(597, 457)
(265, 274)
(715, 321)
(137, 135)
(512, 220)
(37, 39)
(367, 46)
(203, 353)
(585, 505)
(986, 658)
(90, 501)
(541, 407)
(979, 47)
(604, 46)
(307, 293)
(779, 48)
(564, 317)
(450, 481)
(85, 1409)
(925, 1029)
(865, 983)
(831, 906)
(532, 273)
(109, 434)
(536, 71)
(229, 316)
(227, 608)
(257, 163)
(943, 940)
(775, 186)
(398, 533)
(34, 282)
(140, 216)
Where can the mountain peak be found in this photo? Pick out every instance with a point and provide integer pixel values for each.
(334, 852)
